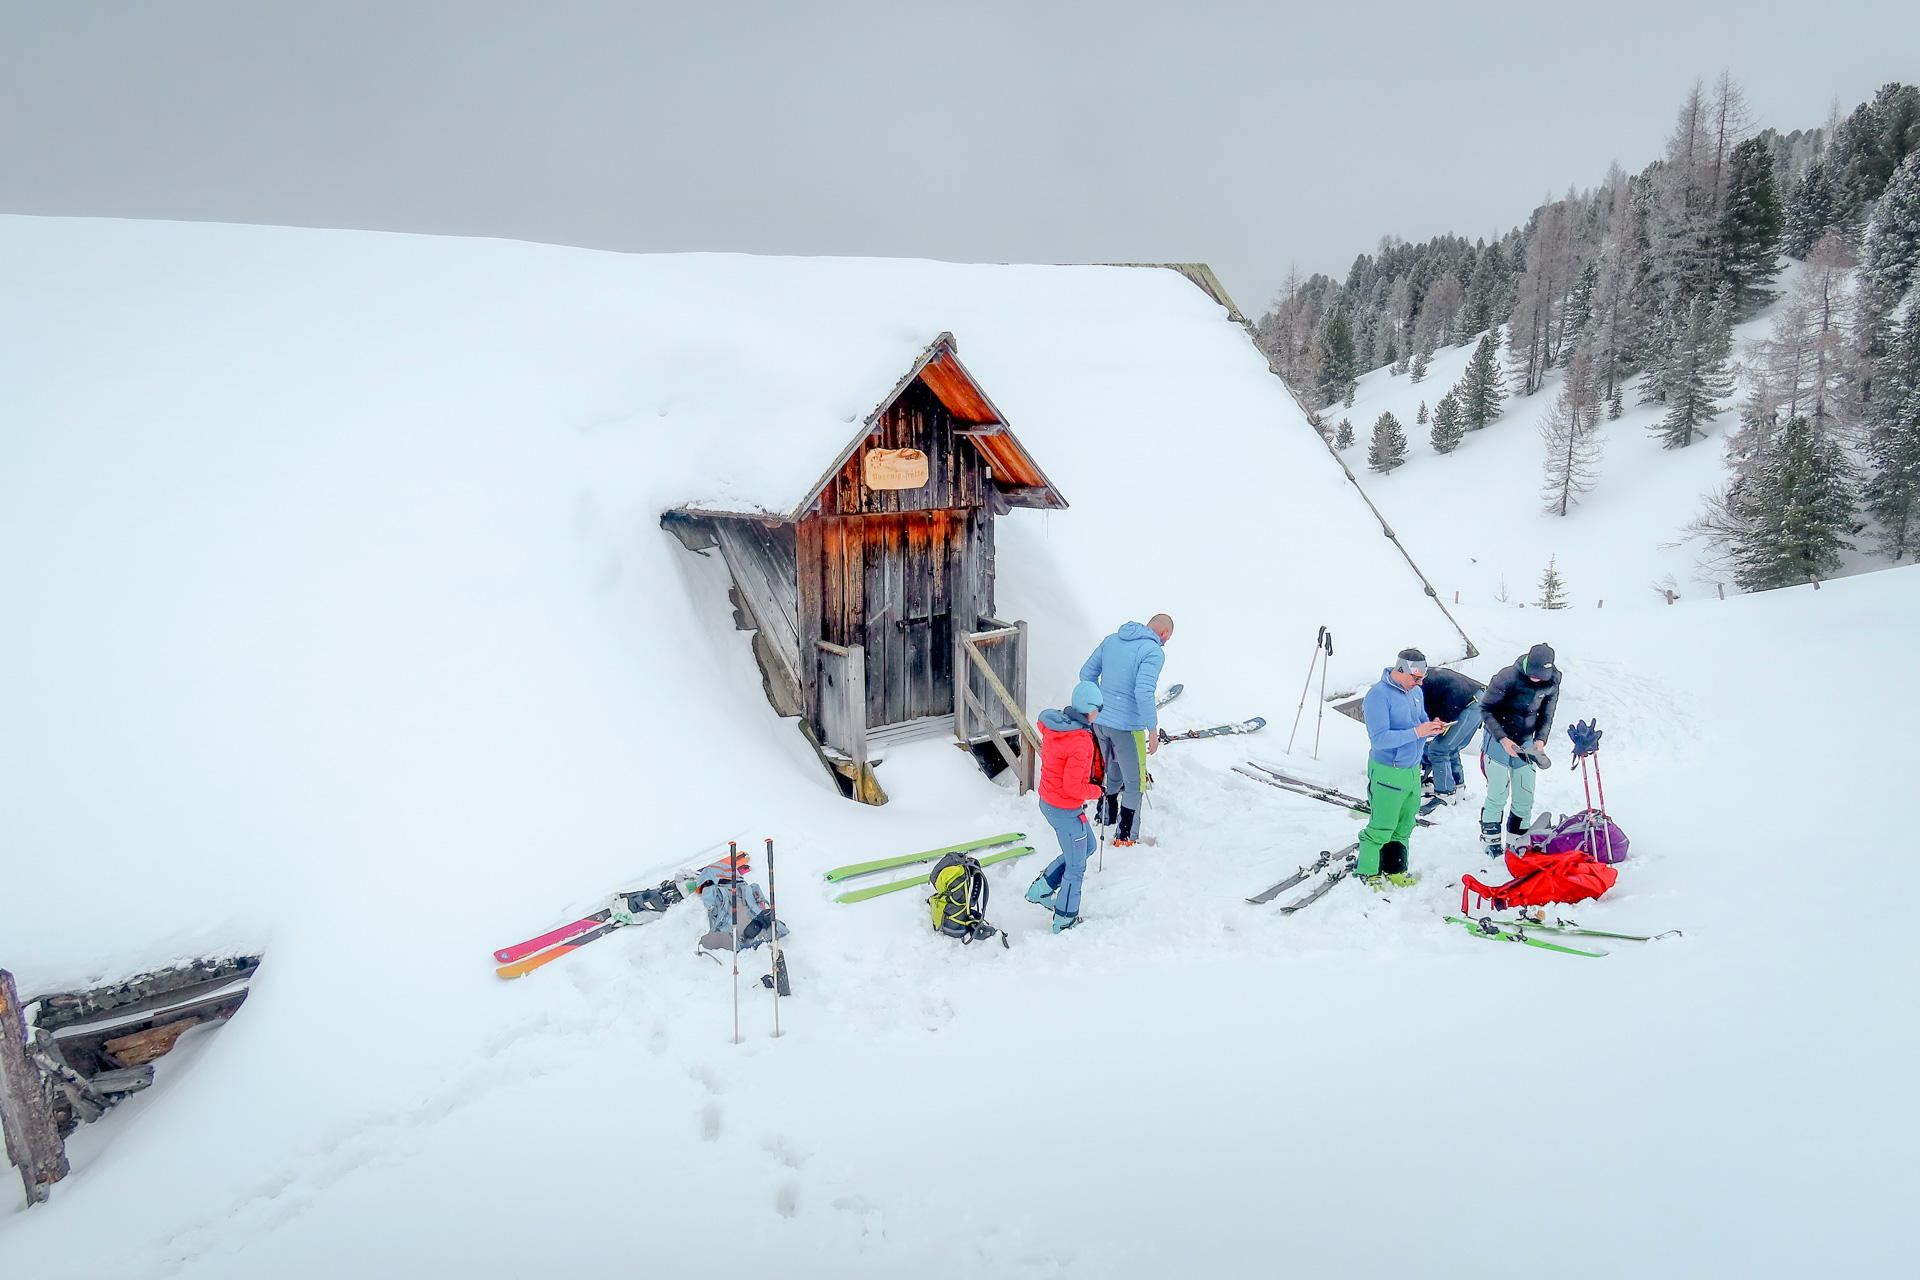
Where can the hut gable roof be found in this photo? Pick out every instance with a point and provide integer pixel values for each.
(1019, 478)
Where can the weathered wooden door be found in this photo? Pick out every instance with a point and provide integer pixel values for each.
(891, 583)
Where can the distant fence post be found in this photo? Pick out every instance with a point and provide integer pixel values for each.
(33, 1142)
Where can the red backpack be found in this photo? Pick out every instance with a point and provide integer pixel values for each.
(1540, 877)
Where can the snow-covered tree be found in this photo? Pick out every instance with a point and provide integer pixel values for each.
(1448, 428)
(1553, 592)
(1571, 434)
(1892, 492)
(1388, 449)
(1337, 359)
(1809, 365)
(1890, 257)
(1750, 228)
(1418, 367)
(1695, 374)
(1482, 387)
(1789, 520)
(1420, 418)
(1343, 438)
(1815, 209)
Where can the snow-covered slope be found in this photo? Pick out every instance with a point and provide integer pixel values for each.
(409, 671)
(1475, 515)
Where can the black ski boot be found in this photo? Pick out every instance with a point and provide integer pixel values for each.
(1490, 837)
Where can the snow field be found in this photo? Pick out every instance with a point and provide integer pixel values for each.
(414, 674)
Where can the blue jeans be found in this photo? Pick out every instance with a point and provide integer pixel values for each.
(1065, 872)
(1443, 751)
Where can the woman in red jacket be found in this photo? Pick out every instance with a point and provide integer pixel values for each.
(1069, 777)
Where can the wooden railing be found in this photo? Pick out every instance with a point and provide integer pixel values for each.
(990, 695)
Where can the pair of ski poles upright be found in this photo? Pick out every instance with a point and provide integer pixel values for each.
(1322, 652)
(779, 975)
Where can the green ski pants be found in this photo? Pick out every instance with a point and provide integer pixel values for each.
(1394, 796)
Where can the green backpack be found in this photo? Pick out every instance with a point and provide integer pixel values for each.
(959, 900)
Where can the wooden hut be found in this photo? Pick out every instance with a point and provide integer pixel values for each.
(873, 598)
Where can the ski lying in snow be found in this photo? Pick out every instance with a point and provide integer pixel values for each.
(1485, 927)
(1322, 792)
(642, 906)
(875, 891)
(1319, 864)
(908, 859)
(1218, 731)
(1334, 877)
(1168, 696)
(643, 897)
(1570, 927)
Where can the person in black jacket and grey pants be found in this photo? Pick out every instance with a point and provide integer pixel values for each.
(1517, 709)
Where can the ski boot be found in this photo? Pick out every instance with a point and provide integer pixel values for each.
(1040, 893)
(1490, 837)
(1063, 923)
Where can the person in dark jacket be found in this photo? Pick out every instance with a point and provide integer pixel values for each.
(1454, 698)
(1070, 775)
(1126, 666)
(1517, 710)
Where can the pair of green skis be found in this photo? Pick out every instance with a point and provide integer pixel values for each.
(931, 855)
(1487, 927)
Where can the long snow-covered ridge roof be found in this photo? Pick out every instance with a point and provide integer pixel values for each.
(747, 376)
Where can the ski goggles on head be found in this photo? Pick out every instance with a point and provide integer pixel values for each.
(1412, 666)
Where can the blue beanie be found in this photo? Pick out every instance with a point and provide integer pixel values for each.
(1087, 697)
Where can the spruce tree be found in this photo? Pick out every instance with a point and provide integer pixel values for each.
(1338, 363)
(1616, 404)
(1816, 207)
(1343, 438)
(1892, 493)
(1388, 449)
(1553, 592)
(1695, 374)
(1420, 418)
(1419, 367)
(1571, 433)
(1750, 227)
(1792, 514)
(1448, 429)
(1482, 387)
(1891, 257)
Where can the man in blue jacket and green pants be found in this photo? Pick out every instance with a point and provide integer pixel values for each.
(1126, 667)
(1397, 726)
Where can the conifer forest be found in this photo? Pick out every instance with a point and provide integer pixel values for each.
(1633, 288)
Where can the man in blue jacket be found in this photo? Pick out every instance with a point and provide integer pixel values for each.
(1126, 666)
(1397, 727)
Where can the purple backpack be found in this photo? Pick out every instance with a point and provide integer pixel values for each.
(1591, 832)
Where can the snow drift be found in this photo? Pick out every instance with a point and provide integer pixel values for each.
(340, 624)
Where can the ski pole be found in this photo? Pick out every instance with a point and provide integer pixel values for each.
(1599, 782)
(1321, 714)
(1317, 640)
(779, 966)
(733, 870)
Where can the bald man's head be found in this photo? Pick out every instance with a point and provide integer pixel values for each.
(1161, 625)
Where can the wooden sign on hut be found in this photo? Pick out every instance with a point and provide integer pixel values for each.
(873, 598)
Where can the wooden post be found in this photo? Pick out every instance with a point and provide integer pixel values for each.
(33, 1143)
(855, 689)
(962, 686)
(1029, 752)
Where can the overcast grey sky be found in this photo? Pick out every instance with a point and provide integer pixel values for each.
(1247, 135)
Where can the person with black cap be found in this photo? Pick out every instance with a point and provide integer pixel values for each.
(1517, 709)
(1397, 729)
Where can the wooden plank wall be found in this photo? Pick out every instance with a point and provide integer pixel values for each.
(956, 471)
(891, 570)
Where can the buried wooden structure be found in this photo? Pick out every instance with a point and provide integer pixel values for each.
(873, 599)
(84, 1051)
